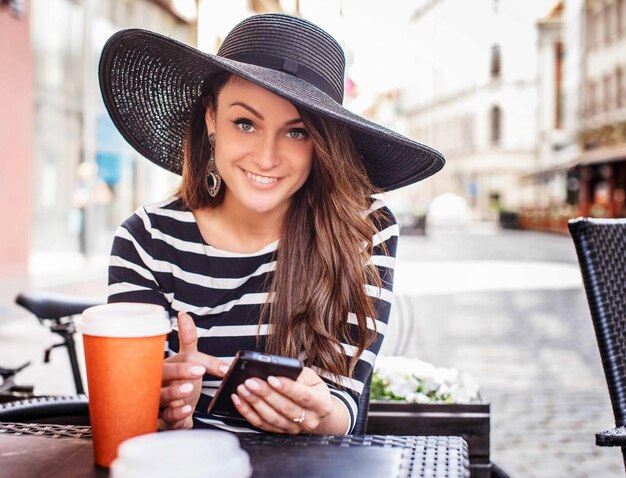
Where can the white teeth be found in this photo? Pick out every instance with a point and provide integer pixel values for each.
(261, 179)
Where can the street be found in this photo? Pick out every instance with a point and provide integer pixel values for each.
(509, 308)
(506, 306)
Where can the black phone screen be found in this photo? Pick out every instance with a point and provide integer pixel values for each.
(249, 364)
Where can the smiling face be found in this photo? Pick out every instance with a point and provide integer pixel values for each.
(262, 149)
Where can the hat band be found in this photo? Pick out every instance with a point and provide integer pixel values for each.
(292, 67)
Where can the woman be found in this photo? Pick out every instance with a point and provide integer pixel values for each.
(272, 242)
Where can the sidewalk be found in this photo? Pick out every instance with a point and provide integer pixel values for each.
(23, 339)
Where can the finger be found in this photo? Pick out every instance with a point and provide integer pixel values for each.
(213, 365)
(246, 411)
(299, 393)
(173, 394)
(265, 411)
(173, 371)
(280, 403)
(187, 333)
(313, 398)
(173, 415)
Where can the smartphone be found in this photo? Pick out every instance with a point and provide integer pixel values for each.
(248, 364)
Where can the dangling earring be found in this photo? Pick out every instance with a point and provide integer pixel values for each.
(214, 180)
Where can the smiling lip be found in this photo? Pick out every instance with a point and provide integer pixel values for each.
(257, 179)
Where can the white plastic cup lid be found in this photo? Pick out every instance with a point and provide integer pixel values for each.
(124, 319)
(184, 453)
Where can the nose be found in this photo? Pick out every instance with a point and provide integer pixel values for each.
(267, 156)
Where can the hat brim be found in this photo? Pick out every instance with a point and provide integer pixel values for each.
(150, 82)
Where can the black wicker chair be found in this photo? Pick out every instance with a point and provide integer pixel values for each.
(601, 248)
(70, 410)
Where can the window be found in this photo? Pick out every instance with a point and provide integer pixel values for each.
(588, 28)
(590, 33)
(496, 61)
(609, 22)
(468, 132)
(597, 29)
(592, 102)
(558, 85)
(619, 87)
(496, 124)
(607, 93)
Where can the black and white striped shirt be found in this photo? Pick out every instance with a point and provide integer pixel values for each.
(160, 257)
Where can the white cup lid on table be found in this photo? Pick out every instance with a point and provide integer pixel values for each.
(182, 453)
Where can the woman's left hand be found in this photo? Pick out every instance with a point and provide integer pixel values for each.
(282, 405)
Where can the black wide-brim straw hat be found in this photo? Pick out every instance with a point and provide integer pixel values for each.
(150, 83)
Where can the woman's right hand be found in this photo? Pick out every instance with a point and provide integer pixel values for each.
(182, 377)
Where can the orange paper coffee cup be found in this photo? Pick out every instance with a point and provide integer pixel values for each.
(124, 350)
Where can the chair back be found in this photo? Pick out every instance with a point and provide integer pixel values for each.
(601, 249)
(364, 404)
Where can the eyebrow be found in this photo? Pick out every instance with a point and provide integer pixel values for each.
(260, 116)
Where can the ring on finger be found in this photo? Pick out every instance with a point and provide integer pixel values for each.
(302, 416)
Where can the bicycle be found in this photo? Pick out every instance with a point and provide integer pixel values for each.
(56, 312)
(9, 390)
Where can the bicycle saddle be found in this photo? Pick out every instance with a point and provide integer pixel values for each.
(54, 306)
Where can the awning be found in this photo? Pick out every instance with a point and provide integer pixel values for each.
(549, 170)
(603, 155)
(587, 158)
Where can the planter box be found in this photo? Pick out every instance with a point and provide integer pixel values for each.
(468, 421)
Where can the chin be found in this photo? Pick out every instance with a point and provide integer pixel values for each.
(264, 202)
(262, 208)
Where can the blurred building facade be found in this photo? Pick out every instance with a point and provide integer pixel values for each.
(474, 96)
(602, 136)
(16, 135)
(529, 105)
(86, 178)
(581, 163)
(553, 184)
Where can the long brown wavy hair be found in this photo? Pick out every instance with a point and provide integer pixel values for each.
(322, 263)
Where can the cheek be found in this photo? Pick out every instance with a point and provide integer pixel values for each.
(304, 157)
(309, 167)
(229, 150)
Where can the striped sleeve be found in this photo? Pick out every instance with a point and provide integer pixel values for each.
(385, 242)
(131, 276)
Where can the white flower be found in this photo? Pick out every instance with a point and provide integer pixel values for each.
(417, 381)
(402, 388)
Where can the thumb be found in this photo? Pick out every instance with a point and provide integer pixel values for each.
(187, 333)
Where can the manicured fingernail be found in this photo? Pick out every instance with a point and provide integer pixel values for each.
(185, 388)
(198, 370)
(273, 381)
(252, 384)
(235, 399)
(185, 409)
(243, 390)
(224, 368)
